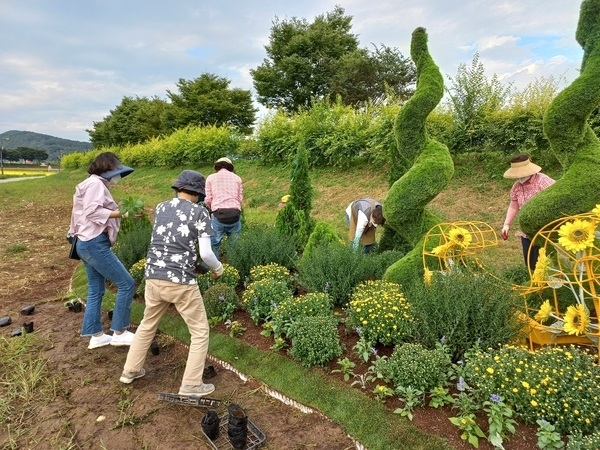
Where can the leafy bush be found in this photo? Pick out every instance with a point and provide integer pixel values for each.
(272, 270)
(259, 245)
(558, 384)
(133, 240)
(296, 308)
(220, 300)
(378, 263)
(465, 309)
(379, 312)
(412, 365)
(315, 340)
(230, 277)
(261, 297)
(334, 270)
(322, 234)
(137, 270)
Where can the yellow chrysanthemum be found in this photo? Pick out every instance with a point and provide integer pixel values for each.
(541, 268)
(544, 313)
(577, 235)
(427, 276)
(460, 236)
(577, 320)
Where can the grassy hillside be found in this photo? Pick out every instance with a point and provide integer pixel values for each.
(473, 194)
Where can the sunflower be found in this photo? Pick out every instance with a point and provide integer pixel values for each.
(541, 268)
(544, 313)
(460, 236)
(577, 235)
(427, 276)
(596, 211)
(577, 319)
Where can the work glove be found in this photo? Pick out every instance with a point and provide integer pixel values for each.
(218, 271)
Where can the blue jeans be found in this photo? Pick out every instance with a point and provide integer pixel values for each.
(102, 264)
(220, 230)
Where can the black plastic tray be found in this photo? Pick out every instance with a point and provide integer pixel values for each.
(256, 438)
(188, 399)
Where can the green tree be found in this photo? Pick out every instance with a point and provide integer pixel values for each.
(208, 100)
(472, 96)
(29, 154)
(134, 121)
(319, 60)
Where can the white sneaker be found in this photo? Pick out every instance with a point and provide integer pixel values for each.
(128, 377)
(196, 391)
(100, 341)
(125, 338)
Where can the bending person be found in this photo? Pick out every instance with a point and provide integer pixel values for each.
(364, 216)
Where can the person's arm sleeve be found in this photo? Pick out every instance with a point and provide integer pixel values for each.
(361, 223)
(513, 209)
(93, 204)
(207, 255)
(209, 194)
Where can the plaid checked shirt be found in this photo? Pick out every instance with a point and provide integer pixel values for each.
(522, 192)
(224, 190)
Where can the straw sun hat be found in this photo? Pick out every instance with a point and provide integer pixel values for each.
(522, 169)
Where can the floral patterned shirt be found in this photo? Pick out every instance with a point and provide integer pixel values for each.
(178, 224)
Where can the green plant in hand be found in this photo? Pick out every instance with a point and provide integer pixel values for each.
(131, 206)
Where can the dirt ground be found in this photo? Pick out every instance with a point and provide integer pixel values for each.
(86, 381)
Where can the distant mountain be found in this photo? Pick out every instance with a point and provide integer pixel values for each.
(54, 146)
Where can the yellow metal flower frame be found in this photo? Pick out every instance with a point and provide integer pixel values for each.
(452, 245)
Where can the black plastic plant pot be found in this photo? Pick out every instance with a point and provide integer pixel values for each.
(154, 348)
(110, 314)
(28, 327)
(16, 332)
(76, 307)
(209, 372)
(28, 310)
(4, 321)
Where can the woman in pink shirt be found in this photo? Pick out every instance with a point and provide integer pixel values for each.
(529, 182)
(95, 221)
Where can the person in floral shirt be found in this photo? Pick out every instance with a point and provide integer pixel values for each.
(180, 225)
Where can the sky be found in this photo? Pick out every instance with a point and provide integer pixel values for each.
(65, 64)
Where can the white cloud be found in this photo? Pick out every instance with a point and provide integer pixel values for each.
(66, 63)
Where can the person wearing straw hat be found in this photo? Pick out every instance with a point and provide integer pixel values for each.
(529, 181)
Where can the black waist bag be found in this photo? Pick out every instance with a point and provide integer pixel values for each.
(227, 215)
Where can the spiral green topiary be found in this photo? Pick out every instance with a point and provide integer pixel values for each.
(428, 163)
(571, 137)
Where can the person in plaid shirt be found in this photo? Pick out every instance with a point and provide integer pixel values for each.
(529, 182)
(224, 196)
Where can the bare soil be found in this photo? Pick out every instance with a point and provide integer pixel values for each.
(86, 381)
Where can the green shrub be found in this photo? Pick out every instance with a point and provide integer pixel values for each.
(379, 262)
(323, 234)
(558, 384)
(220, 300)
(230, 277)
(465, 309)
(259, 245)
(379, 312)
(412, 365)
(334, 270)
(518, 274)
(137, 270)
(272, 270)
(296, 308)
(261, 297)
(591, 442)
(133, 240)
(315, 340)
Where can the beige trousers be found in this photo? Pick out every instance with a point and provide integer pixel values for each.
(188, 301)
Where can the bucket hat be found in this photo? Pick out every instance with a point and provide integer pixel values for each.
(192, 181)
(522, 169)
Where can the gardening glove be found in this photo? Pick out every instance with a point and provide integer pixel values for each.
(505, 229)
(218, 271)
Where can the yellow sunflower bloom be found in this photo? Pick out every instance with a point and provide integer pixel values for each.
(544, 313)
(577, 235)
(460, 236)
(541, 268)
(577, 319)
(596, 211)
